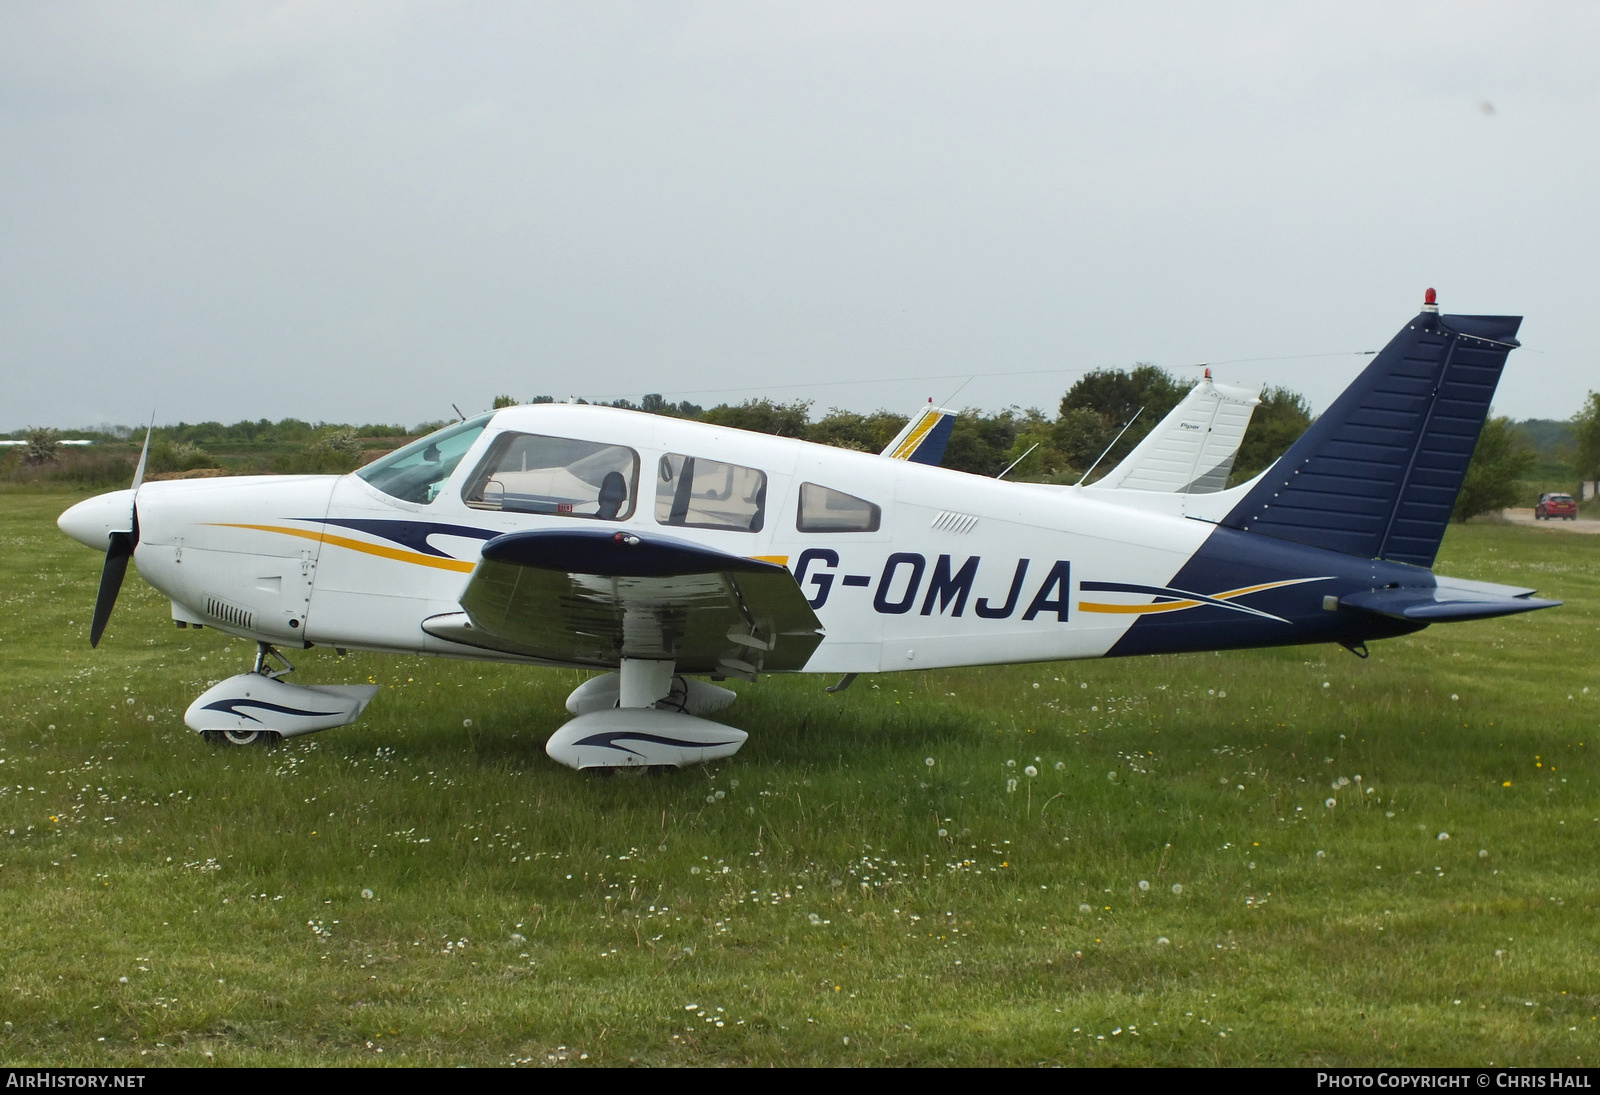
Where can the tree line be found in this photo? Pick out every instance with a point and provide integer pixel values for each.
(1092, 425)
(1098, 422)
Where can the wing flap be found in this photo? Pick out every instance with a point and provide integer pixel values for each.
(589, 597)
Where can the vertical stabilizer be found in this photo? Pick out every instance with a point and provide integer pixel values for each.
(1191, 451)
(925, 437)
(1377, 475)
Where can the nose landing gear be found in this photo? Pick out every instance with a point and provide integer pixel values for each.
(259, 708)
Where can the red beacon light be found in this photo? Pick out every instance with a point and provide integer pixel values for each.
(1430, 301)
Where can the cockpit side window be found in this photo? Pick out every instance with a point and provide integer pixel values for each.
(558, 476)
(417, 472)
(823, 509)
(693, 492)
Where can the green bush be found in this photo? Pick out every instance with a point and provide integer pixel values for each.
(176, 456)
(334, 453)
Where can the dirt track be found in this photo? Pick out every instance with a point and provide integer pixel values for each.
(1525, 517)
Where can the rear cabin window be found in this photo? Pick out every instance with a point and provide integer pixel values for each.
(823, 509)
(693, 492)
(556, 476)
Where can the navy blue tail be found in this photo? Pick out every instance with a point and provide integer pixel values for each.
(1377, 475)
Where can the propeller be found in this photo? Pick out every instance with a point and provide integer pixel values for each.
(119, 550)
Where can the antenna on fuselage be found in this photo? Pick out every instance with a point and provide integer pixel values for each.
(457, 409)
(1024, 456)
(1109, 447)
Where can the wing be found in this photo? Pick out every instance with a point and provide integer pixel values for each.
(589, 597)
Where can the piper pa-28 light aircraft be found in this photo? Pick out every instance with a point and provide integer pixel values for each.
(661, 551)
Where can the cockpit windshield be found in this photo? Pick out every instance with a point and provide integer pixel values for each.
(417, 472)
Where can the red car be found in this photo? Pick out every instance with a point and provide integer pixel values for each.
(1552, 506)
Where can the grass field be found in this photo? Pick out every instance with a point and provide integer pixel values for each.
(1288, 857)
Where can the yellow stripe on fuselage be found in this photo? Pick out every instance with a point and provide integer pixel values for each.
(1170, 606)
(1164, 606)
(399, 555)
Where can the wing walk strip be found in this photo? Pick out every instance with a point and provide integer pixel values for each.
(1180, 599)
(460, 566)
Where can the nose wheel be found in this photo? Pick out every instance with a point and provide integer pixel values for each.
(243, 737)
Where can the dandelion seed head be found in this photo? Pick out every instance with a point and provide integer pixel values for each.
(1483, 853)
(1061, 766)
(466, 724)
(1162, 941)
(1444, 836)
(1083, 910)
(1454, 696)
(1011, 763)
(1030, 771)
(1177, 888)
(1329, 803)
(929, 762)
(944, 833)
(366, 895)
(1144, 886)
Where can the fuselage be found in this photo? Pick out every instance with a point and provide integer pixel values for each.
(907, 566)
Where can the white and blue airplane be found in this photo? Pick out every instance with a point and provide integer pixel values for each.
(661, 552)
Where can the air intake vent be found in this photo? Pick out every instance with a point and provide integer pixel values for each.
(948, 521)
(230, 614)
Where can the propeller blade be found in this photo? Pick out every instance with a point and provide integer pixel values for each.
(116, 568)
(144, 453)
(118, 551)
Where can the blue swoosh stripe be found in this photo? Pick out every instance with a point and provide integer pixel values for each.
(609, 740)
(232, 708)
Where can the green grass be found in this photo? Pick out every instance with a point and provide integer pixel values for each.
(827, 895)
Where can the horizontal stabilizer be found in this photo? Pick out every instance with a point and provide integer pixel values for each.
(1450, 600)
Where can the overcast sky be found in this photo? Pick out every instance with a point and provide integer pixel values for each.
(368, 212)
